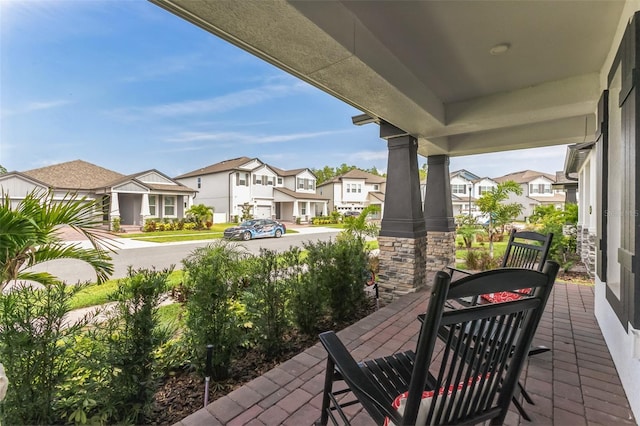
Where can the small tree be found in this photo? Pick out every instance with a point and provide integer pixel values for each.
(201, 214)
(246, 212)
(468, 229)
(30, 236)
(358, 225)
(549, 219)
(491, 204)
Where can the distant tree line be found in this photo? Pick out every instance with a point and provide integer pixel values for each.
(327, 173)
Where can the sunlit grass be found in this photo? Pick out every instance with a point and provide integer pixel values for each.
(99, 294)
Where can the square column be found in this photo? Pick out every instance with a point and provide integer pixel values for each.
(402, 239)
(438, 215)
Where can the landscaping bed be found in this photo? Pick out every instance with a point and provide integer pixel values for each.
(182, 392)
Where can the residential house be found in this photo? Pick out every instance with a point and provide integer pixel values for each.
(537, 189)
(466, 188)
(445, 79)
(353, 191)
(268, 192)
(131, 198)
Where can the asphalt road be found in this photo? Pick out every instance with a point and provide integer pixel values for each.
(164, 255)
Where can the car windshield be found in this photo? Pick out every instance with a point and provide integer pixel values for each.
(248, 223)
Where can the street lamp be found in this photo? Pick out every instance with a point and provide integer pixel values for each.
(470, 192)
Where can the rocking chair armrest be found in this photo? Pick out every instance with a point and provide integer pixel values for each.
(361, 385)
(453, 269)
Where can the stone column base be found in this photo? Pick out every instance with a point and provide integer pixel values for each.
(402, 266)
(441, 250)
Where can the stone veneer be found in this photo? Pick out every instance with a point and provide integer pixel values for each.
(441, 250)
(402, 266)
(587, 249)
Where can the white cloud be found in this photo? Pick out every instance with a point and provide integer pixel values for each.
(369, 155)
(35, 106)
(218, 104)
(248, 138)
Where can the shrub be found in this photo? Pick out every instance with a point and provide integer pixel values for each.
(212, 278)
(35, 339)
(150, 225)
(133, 336)
(481, 260)
(340, 269)
(272, 277)
(115, 224)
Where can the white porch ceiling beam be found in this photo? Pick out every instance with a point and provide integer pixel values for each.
(555, 132)
(570, 97)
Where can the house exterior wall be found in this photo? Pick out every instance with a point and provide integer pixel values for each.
(328, 191)
(623, 339)
(213, 190)
(308, 182)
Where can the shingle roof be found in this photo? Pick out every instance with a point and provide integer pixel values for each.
(293, 172)
(223, 166)
(301, 195)
(178, 187)
(524, 176)
(357, 174)
(75, 174)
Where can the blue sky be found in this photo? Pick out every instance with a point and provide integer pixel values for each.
(128, 86)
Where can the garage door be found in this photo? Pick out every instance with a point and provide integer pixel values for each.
(262, 212)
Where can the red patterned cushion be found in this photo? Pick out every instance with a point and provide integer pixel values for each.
(401, 400)
(504, 296)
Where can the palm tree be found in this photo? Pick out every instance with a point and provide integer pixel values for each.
(29, 235)
(491, 204)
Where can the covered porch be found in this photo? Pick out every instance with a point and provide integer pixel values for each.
(446, 79)
(576, 383)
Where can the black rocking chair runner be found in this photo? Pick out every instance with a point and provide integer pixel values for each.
(472, 378)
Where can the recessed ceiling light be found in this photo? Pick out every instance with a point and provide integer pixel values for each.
(499, 49)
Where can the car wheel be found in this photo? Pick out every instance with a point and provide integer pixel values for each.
(278, 233)
(246, 236)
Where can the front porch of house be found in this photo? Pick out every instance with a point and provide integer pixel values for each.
(576, 383)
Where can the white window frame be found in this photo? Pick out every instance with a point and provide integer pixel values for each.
(455, 188)
(169, 202)
(153, 205)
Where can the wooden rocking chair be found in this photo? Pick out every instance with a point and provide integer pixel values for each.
(467, 377)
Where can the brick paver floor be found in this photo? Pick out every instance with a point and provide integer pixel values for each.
(576, 383)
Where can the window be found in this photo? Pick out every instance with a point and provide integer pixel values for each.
(459, 189)
(199, 184)
(303, 208)
(169, 206)
(359, 188)
(153, 202)
(484, 189)
(348, 188)
(376, 187)
(242, 179)
(540, 188)
(300, 183)
(279, 181)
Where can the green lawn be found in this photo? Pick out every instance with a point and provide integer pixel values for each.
(98, 294)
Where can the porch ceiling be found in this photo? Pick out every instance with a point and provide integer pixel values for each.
(425, 66)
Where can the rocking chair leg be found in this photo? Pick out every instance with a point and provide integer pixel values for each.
(328, 387)
(520, 409)
(525, 394)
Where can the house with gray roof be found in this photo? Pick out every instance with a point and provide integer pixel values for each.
(537, 189)
(353, 191)
(268, 191)
(131, 198)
